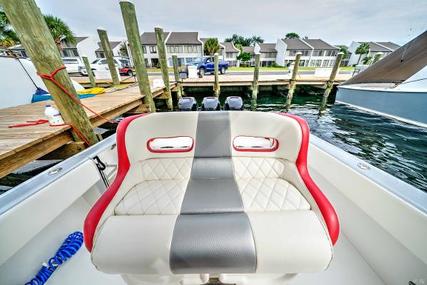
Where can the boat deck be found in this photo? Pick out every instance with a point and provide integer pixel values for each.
(19, 146)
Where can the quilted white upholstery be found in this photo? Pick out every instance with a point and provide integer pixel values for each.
(162, 190)
(262, 187)
(166, 168)
(153, 197)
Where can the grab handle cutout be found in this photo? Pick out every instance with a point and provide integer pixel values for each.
(170, 144)
(255, 144)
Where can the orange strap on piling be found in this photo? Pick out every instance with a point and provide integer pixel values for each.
(51, 77)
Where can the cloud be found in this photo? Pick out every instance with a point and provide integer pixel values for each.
(336, 21)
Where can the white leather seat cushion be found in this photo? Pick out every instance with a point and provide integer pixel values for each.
(290, 242)
(270, 194)
(261, 185)
(153, 197)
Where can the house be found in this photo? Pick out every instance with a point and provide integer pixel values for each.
(251, 51)
(84, 46)
(383, 48)
(186, 45)
(227, 52)
(268, 53)
(230, 53)
(116, 47)
(314, 52)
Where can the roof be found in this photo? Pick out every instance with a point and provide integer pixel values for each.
(374, 47)
(229, 47)
(67, 44)
(297, 44)
(183, 38)
(320, 44)
(112, 44)
(268, 47)
(248, 50)
(389, 45)
(149, 38)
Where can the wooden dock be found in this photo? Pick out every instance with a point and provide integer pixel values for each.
(233, 80)
(19, 146)
(266, 80)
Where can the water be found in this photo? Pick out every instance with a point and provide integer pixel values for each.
(393, 146)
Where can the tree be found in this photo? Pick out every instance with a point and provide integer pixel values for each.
(240, 40)
(123, 51)
(244, 56)
(292, 35)
(8, 36)
(257, 39)
(211, 46)
(367, 60)
(344, 50)
(59, 30)
(362, 49)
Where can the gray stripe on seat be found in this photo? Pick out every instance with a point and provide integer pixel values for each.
(212, 234)
(213, 243)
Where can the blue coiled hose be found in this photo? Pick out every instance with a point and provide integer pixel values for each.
(68, 248)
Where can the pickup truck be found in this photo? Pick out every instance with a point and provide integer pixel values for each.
(206, 65)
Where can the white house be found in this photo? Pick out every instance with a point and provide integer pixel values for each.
(186, 45)
(84, 46)
(230, 53)
(268, 53)
(314, 52)
(115, 47)
(384, 48)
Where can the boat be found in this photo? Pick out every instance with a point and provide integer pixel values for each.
(273, 205)
(210, 104)
(31, 87)
(233, 103)
(395, 86)
(187, 104)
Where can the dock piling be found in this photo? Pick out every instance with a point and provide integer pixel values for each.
(89, 71)
(177, 78)
(330, 82)
(30, 26)
(217, 88)
(135, 46)
(255, 87)
(161, 50)
(105, 43)
(292, 81)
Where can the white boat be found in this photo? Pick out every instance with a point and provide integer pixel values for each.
(395, 86)
(150, 214)
(21, 70)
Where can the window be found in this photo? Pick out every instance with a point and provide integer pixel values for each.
(70, 60)
(144, 49)
(174, 49)
(317, 53)
(153, 49)
(330, 53)
(325, 63)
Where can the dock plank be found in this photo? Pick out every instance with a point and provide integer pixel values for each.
(19, 146)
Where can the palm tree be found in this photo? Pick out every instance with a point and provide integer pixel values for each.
(59, 30)
(8, 36)
(362, 49)
(292, 35)
(256, 39)
(344, 50)
(211, 46)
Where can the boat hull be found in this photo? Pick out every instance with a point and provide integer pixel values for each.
(402, 105)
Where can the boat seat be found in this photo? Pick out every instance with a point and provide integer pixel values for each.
(200, 195)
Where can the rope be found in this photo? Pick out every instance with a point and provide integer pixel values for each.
(68, 248)
(51, 77)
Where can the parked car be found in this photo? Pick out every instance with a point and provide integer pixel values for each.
(206, 65)
(73, 64)
(101, 64)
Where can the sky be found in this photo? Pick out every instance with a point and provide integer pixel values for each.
(335, 21)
